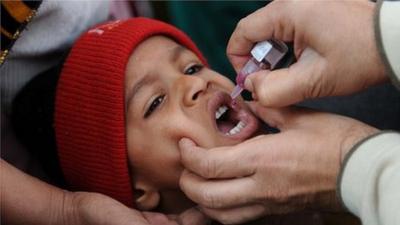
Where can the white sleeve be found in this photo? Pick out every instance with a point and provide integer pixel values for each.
(369, 184)
(369, 181)
(387, 33)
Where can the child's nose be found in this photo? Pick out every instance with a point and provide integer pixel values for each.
(192, 88)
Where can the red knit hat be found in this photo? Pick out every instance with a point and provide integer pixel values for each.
(90, 106)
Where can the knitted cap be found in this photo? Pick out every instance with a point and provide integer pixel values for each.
(90, 107)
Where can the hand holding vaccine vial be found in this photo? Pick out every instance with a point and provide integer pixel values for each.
(265, 55)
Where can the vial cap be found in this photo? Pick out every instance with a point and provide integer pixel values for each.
(260, 50)
(270, 52)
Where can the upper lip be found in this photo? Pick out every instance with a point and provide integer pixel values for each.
(218, 99)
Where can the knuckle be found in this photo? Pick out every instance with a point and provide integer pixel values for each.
(314, 87)
(262, 95)
(241, 24)
(208, 199)
(182, 180)
(209, 168)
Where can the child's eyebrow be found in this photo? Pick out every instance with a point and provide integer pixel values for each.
(176, 53)
(146, 80)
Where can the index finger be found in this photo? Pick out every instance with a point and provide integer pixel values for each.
(220, 162)
(264, 24)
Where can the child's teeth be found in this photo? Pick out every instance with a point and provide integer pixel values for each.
(220, 111)
(237, 128)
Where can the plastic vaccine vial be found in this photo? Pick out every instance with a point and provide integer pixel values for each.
(265, 56)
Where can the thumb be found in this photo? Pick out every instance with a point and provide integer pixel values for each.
(273, 117)
(287, 86)
(281, 118)
(271, 21)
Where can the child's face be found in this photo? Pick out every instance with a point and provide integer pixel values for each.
(170, 95)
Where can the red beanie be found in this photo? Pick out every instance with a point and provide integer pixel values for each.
(90, 106)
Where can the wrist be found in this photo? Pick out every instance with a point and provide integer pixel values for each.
(59, 208)
(354, 136)
(90, 208)
(68, 212)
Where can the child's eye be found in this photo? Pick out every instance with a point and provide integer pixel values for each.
(193, 69)
(153, 106)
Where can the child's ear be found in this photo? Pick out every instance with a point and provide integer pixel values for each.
(146, 196)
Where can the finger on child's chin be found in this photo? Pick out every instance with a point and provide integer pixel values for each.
(235, 215)
(190, 152)
(185, 143)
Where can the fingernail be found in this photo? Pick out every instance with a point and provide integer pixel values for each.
(248, 85)
(184, 142)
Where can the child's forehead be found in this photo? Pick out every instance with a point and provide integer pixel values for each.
(158, 42)
(157, 48)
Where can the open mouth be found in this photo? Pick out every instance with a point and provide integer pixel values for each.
(234, 122)
(226, 122)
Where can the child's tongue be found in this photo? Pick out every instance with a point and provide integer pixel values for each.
(225, 126)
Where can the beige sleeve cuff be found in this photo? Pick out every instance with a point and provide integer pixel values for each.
(370, 179)
(387, 32)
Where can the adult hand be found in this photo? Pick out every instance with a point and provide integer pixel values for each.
(27, 200)
(91, 208)
(334, 45)
(289, 171)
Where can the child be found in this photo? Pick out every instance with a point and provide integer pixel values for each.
(128, 92)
